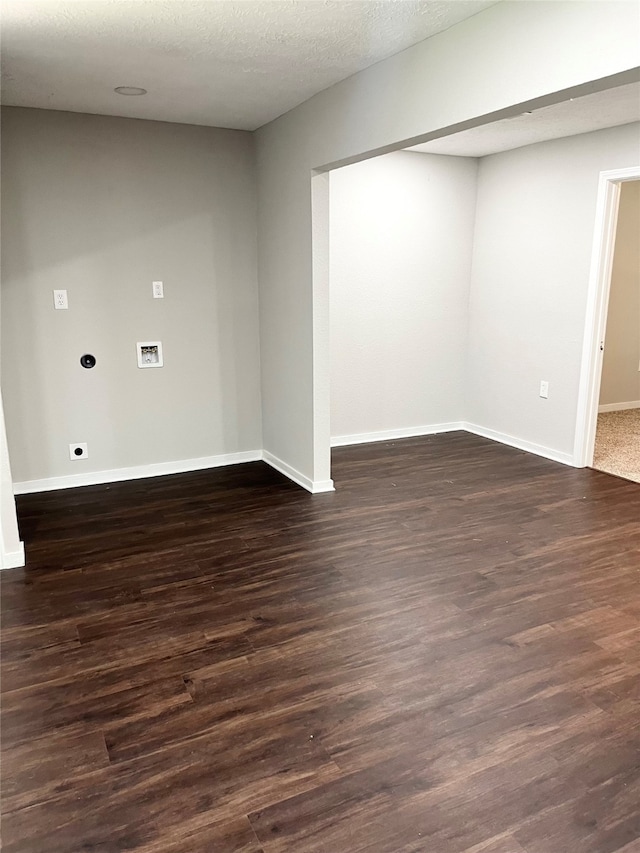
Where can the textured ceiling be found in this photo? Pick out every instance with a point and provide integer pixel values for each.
(581, 115)
(224, 63)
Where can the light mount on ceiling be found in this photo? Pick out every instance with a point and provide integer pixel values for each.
(130, 90)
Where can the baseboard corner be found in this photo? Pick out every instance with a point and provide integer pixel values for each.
(522, 444)
(13, 559)
(315, 487)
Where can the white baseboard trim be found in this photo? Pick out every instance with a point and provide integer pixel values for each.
(12, 559)
(314, 486)
(432, 429)
(391, 434)
(521, 444)
(159, 469)
(619, 407)
(138, 472)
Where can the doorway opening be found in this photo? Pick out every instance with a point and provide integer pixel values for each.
(611, 353)
(617, 444)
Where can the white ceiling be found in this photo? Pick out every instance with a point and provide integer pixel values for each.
(224, 63)
(581, 115)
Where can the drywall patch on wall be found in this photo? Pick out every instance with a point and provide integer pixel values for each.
(101, 207)
(401, 239)
(620, 382)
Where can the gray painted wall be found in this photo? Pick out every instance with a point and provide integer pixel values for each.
(401, 239)
(420, 336)
(534, 235)
(101, 207)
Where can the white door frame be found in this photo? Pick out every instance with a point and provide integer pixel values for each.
(597, 307)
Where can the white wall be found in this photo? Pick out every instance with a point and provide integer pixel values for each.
(11, 548)
(532, 251)
(401, 235)
(101, 207)
(509, 57)
(620, 374)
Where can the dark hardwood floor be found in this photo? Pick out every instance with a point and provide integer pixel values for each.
(442, 656)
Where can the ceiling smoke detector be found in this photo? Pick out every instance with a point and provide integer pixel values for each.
(130, 90)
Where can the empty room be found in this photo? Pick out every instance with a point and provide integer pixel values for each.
(310, 318)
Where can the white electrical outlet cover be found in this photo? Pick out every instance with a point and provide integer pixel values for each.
(60, 301)
(158, 290)
(79, 450)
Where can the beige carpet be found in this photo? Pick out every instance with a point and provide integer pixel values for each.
(618, 444)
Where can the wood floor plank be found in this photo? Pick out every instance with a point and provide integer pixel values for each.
(28, 770)
(236, 836)
(169, 791)
(408, 806)
(88, 704)
(601, 820)
(440, 657)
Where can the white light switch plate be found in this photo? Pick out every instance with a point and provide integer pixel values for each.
(158, 290)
